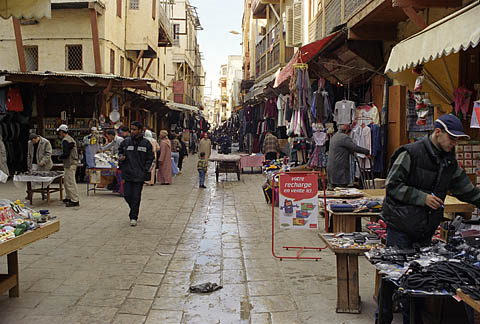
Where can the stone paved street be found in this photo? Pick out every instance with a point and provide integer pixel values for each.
(98, 269)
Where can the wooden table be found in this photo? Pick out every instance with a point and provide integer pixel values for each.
(475, 304)
(10, 280)
(348, 296)
(226, 164)
(44, 190)
(345, 222)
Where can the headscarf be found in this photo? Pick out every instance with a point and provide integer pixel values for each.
(148, 134)
(163, 133)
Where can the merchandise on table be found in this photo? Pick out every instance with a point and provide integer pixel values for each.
(106, 160)
(16, 219)
(356, 240)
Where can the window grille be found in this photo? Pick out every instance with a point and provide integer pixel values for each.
(134, 4)
(31, 57)
(74, 57)
(112, 61)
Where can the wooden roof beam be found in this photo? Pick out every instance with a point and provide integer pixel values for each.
(415, 17)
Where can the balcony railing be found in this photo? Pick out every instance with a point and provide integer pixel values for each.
(165, 35)
(267, 54)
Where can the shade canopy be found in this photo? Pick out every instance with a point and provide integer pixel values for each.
(26, 9)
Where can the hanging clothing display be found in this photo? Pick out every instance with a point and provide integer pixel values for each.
(3, 101)
(475, 122)
(270, 109)
(344, 112)
(282, 102)
(462, 98)
(319, 156)
(14, 100)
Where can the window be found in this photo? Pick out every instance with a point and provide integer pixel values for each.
(176, 36)
(122, 65)
(31, 57)
(119, 8)
(134, 4)
(154, 8)
(74, 57)
(112, 61)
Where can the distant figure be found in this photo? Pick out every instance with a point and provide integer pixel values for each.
(91, 146)
(155, 148)
(114, 142)
(135, 155)
(39, 156)
(270, 146)
(70, 161)
(175, 148)
(164, 175)
(205, 146)
(124, 132)
(182, 153)
(202, 166)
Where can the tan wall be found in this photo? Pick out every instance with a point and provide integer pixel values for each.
(141, 28)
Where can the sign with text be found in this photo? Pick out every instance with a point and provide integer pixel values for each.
(298, 200)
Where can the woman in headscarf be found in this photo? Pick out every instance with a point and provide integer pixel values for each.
(164, 175)
(149, 136)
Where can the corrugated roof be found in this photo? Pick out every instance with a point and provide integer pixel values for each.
(76, 75)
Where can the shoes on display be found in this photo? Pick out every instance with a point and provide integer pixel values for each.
(133, 222)
(72, 204)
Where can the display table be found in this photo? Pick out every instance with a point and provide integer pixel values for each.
(475, 304)
(46, 185)
(348, 296)
(100, 178)
(226, 163)
(10, 248)
(251, 161)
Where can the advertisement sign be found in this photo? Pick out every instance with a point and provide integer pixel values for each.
(298, 200)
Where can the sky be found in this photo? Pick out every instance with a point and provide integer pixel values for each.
(217, 18)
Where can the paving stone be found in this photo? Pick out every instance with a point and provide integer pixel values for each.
(143, 292)
(164, 317)
(90, 315)
(129, 319)
(105, 298)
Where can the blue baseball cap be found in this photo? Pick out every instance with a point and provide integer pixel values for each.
(450, 124)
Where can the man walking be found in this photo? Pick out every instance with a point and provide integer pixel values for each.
(70, 161)
(39, 156)
(270, 146)
(136, 157)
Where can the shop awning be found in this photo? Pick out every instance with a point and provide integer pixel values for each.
(456, 32)
(179, 106)
(80, 79)
(257, 89)
(27, 9)
(304, 55)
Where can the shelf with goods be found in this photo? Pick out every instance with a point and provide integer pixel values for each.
(78, 129)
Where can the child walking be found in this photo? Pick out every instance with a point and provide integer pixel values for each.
(202, 166)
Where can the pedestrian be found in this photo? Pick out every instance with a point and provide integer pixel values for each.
(155, 148)
(202, 166)
(205, 146)
(69, 157)
(114, 142)
(164, 174)
(39, 157)
(270, 146)
(91, 146)
(182, 153)
(124, 132)
(419, 178)
(3, 157)
(338, 164)
(135, 156)
(175, 148)
(193, 146)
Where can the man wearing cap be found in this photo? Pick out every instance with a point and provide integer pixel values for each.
(70, 160)
(338, 164)
(91, 145)
(420, 176)
(39, 153)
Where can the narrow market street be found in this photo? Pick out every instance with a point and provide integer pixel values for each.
(98, 269)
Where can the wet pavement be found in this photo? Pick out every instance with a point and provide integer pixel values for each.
(98, 269)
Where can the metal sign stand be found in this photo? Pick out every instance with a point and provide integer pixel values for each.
(299, 248)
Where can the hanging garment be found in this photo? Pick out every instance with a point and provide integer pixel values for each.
(14, 100)
(344, 112)
(3, 101)
(319, 158)
(462, 99)
(475, 122)
(270, 109)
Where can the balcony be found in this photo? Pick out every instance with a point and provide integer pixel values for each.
(165, 32)
(267, 54)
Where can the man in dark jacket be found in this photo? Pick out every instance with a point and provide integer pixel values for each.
(136, 157)
(420, 176)
(338, 164)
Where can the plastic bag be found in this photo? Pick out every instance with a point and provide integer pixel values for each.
(3, 177)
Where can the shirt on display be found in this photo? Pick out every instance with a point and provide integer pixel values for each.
(344, 112)
(475, 122)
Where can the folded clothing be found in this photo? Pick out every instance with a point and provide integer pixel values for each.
(341, 208)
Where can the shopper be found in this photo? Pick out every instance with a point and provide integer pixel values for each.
(155, 148)
(135, 155)
(420, 176)
(338, 164)
(175, 148)
(205, 146)
(114, 142)
(39, 155)
(91, 146)
(270, 146)
(124, 132)
(164, 175)
(69, 157)
(193, 145)
(202, 166)
(182, 153)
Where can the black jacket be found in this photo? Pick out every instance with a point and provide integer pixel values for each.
(430, 172)
(138, 161)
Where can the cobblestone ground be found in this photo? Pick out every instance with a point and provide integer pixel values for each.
(98, 269)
